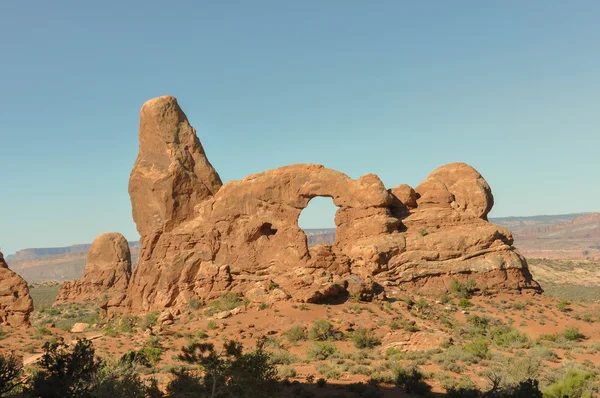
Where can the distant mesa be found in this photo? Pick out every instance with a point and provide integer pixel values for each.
(15, 302)
(107, 272)
(201, 238)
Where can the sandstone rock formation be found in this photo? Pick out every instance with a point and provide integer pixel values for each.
(171, 174)
(107, 271)
(15, 301)
(201, 239)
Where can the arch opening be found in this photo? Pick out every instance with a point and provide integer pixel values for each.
(317, 221)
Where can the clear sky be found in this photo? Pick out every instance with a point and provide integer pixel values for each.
(396, 88)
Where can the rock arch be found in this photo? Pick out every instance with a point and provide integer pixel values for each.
(206, 238)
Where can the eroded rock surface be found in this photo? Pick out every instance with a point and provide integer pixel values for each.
(201, 239)
(15, 301)
(171, 174)
(107, 271)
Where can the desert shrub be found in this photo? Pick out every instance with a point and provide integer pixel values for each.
(461, 290)
(506, 373)
(186, 383)
(464, 303)
(212, 325)
(287, 371)
(395, 325)
(452, 359)
(505, 336)
(150, 320)
(11, 369)
(479, 322)
(295, 334)
(563, 305)
(364, 338)
(575, 384)
(127, 323)
(151, 355)
(41, 331)
(463, 392)
(412, 381)
(478, 347)
(543, 353)
(525, 389)
(119, 379)
(280, 356)
(194, 304)
(571, 333)
(390, 352)
(319, 351)
(321, 330)
(549, 337)
(226, 302)
(230, 373)
(329, 371)
(409, 326)
(365, 390)
(64, 372)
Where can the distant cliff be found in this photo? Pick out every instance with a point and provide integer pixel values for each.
(32, 254)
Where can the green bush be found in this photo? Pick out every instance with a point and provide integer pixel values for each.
(364, 338)
(150, 320)
(329, 371)
(230, 373)
(151, 355)
(194, 304)
(127, 323)
(11, 369)
(464, 303)
(412, 381)
(573, 385)
(563, 306)
(295, 334)
(319, 351)
(119, 379)
(321, 330)
(287, 371)
(64, 372)
(505, 336)
(571, 333)
(478, 347)
(226, 302)
(461, 290)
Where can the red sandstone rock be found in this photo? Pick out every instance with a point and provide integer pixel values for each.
(15, 301)
(201, 239)
(107, 271)
(171, 174)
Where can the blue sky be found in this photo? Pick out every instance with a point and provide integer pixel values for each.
(395, 88)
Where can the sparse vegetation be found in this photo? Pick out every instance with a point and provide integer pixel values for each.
(319, 351)
(295, 334)
(463, 290)
(322, 330)
(228, 373)
(11, 369)
(364, 338)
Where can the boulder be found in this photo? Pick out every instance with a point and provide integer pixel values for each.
(15, 302)
(80, 327)
(107, 272)
(165, 318)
